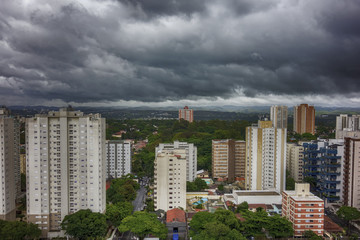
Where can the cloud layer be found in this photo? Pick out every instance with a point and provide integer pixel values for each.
(160, 51)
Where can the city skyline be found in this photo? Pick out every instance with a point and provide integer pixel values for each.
(152, 53)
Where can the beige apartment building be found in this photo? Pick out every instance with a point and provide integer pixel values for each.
(304, 210)
(294, 161)
(279, 116)
(191, 156)
(228, 159)
(265, 157)
(186, 114)
(304, 119)
(66, 169)
(10, 165)
(351, 174)
(170, 179)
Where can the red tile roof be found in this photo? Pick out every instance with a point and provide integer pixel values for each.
(330, 226)
(175, 215)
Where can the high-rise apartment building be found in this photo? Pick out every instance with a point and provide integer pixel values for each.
(265, 157)
(118, 158)
(304, 210)
(66, 168)
(294, 161)
(191, 156)
(186, 114)
(322, 161)
(304, 119)
(228, 159)
(279, 116)
(347, 126)
(10, 165)
(351, 174)
(170, 179)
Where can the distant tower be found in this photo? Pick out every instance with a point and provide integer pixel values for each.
(304, 119)
(186, 114)
(10, 164)
(279, 115)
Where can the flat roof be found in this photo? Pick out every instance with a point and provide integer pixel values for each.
(257, 193)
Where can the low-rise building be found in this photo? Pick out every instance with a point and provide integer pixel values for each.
(176, 224)
(303, 209)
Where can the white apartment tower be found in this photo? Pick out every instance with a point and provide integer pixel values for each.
(66, 169)
(169, 179)
(265, 157)
(347, 126)
(278, 116)
(191, 156)
(10, 165)
(118, 158)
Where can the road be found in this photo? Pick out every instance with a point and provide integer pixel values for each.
(138, 204)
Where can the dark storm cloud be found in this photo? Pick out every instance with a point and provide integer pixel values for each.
(147, 50)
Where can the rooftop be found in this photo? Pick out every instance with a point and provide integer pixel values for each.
(256, 193)
(175, 215)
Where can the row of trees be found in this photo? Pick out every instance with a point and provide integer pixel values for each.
(223, 224)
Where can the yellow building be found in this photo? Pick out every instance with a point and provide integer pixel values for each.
(265, 157)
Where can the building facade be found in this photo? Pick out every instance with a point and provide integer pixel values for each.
(191, 156)
(186, 114)
(10, 165)
(66, 168)
(304, 210)
(294, 161)
(265, 157)
(118, 158)
(304, 119)
(170, 179)
(322, 162)
(279, 116)
(347, 126)
(351, 175)
(228, 159)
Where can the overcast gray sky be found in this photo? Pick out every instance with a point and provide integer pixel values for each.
(175, 52)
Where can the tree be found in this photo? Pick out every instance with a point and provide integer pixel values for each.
(18, 230)
(85, 224)
(115, 213)
(216, 230)
(196, 186)
(244, 206)
(219, 225)
(311, 235)
(279, 227)
(122, 189)
(142, 224)
(221, 187)
(348, 214)
(290, 182)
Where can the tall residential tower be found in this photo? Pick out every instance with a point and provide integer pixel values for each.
(265, 157)
(66, 169)
(10, 164)
(278, 116)
(186, 114)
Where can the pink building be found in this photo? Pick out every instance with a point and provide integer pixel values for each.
(186, 114)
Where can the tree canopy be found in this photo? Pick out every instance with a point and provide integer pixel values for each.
(348, 213)
(196, 186)
(219, 225)
(85, 224)
(122, 189)
(18, 230)
(142, 224)
(115, 213)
